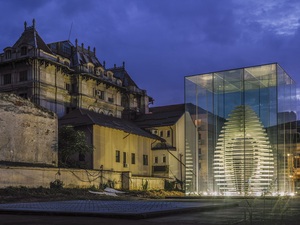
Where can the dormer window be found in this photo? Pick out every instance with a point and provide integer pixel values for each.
(24, 50)
(91, 69)
(8, 54)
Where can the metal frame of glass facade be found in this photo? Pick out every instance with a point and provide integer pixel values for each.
(242, 135)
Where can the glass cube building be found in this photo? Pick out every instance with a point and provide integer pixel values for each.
(240, 131)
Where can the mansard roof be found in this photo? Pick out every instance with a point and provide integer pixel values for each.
(77, 54)
(122, 74)
(83, 117)
(31, 37)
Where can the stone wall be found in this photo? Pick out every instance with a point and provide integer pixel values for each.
(75, 178)
(28, 133)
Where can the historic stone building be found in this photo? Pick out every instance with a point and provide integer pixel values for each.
(61, 77)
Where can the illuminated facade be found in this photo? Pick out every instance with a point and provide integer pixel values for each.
(245, 131)
(62, 76)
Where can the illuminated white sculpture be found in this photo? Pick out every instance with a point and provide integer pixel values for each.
(243, 159)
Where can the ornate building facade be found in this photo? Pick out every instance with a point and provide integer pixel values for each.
(61, 77)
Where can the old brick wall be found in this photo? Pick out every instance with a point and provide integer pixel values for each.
(28, 133)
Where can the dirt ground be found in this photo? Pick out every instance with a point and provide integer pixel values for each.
(23, 194)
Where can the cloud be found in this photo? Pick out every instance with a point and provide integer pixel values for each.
(162, 41)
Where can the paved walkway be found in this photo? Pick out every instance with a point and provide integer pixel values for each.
(118, 209)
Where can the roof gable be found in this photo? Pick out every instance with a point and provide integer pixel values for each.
(31, 37)
(82, 117)
(161, 116)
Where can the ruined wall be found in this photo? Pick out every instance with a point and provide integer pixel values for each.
(28, 133)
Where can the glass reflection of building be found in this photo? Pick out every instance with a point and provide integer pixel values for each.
(242, 137)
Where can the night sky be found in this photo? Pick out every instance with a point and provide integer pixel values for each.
(161, 41)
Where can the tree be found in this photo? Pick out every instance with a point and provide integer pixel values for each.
(70, 142)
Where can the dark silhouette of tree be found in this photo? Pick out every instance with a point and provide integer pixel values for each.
(71, 142)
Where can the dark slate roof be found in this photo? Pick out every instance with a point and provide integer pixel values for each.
(82, 117)
(161, 116)
(121, 73)
(31, 37)
(78, 55)
(83, 56)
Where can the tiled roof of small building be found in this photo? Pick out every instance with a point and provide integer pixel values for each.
(82, 117)
(161, 116)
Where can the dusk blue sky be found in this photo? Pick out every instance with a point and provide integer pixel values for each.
(162, 41)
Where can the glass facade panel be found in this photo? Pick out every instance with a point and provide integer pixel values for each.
(241, 135)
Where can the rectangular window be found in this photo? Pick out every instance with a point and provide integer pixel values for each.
(124, 157)
(161, 133)
(118, 156)
(99, 94)
(24, 50)
(164, 159)
(132, 158)
(8, 54)
(110, 100)
(145, 160)
(168, 133)
(23, 76)
(156, 159)
(7, 79)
